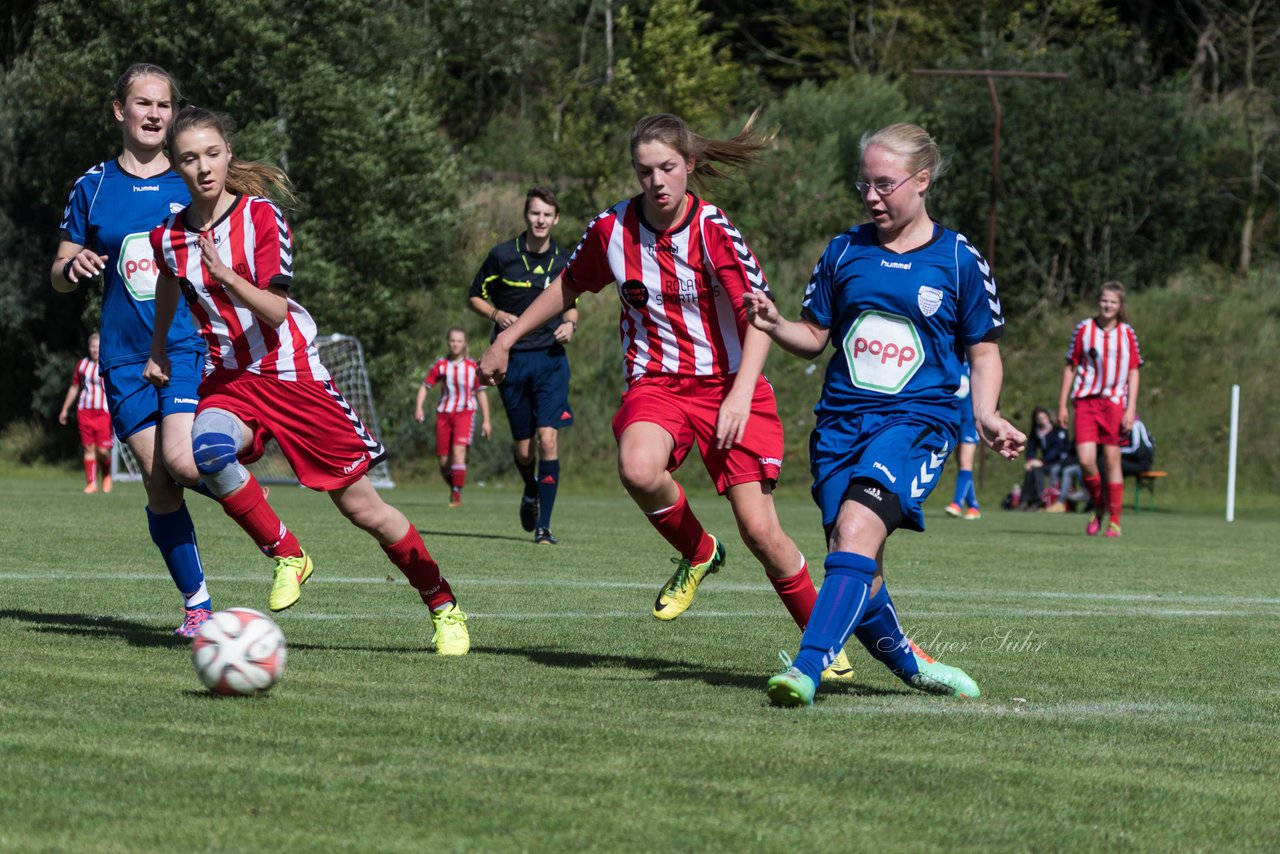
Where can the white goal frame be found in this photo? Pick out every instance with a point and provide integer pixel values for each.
(344, 357)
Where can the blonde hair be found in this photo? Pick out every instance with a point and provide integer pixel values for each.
(243, 176)
(741, 150)
(913, 144)
(146, 69)
(1117, 288)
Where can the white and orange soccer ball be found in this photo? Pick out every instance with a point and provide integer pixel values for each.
(239, 651)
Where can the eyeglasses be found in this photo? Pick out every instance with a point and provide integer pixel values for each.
(884, 189)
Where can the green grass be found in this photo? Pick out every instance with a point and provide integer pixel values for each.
(1131, 703)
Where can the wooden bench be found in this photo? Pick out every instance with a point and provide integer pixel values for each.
(1146, 480)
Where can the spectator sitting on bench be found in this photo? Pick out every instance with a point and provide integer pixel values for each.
(1139, 454)
(1048, 449)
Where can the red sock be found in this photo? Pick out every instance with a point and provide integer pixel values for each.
(459, 477)
(797, 594)
(1115, 500)
(1094, 485)
(410, 555)
(90, 471)
(681, 528)
(250, 510)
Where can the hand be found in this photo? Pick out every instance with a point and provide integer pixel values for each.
(504, 319)
(731, 420)
(62, 417)
(218, 271)
(486, 429)
(1126, 424)
(761, 312)
(493, 365)
(85, 264)
(157, 371)
(564, 332)
(1002, 437)
(420, 416)
(1064, 418)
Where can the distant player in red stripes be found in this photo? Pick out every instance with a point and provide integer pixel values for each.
(692, 362)
(1101, 378)
(231, 251)
(456, 412)
(92, 418)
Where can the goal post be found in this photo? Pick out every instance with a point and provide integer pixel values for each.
(344, 357)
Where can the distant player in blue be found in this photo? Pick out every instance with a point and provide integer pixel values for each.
(105, 231)
(901, 300)
(965, 503)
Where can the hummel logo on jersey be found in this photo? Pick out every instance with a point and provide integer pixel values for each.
(191, 400)
(895, 265)
(147, 188)
(874, 492)
(882, 467)
(348, 469)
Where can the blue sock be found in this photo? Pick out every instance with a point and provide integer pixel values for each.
(971, 495)
(548, 482)
(838, 610)
(175, 536)
(883, 637)
(964, 486)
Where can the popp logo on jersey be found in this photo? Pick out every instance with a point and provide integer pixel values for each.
(137, 266)
(883, 352)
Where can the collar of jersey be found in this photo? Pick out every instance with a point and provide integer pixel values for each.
(217, 222)
(680, 226)
(125, 172)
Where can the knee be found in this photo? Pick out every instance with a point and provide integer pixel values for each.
(214, 445)
(548, 446)
(639, 474)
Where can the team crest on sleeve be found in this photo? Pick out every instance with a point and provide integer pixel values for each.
(929, 299)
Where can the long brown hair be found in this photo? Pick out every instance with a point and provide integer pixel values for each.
(741, 150)
(249, 177)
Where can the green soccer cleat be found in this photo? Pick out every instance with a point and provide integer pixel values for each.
(934, 677)
(450, 635)
(677, 594)
(839, 670)
(790, 687)
(291, 574)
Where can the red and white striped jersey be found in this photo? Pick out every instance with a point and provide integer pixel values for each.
(1103, 360)
(92, 394)
(681, 289)
(460, 383)
(253, 239)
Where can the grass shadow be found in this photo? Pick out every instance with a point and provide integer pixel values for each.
(471, 536)
(95, 626)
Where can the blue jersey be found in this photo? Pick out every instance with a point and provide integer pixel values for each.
(112, 213)
(900, 322)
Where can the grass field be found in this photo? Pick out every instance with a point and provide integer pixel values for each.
(1130, 692)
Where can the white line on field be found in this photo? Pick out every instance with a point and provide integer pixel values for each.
(463, 580)
(1099, 709)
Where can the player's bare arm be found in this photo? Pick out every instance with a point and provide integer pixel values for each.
(486, 427)
(798, 337)
(71, 264)
(735, 409)
(1131, 408)
(419, 414)
(270, 305)
(1064, 414)
(556, 299)
(986, 375)
(167, 294)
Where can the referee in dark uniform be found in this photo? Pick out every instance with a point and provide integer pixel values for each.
(535, 392)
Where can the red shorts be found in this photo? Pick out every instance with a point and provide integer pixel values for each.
(1098, 420)
(686, 407)
(454, 428)
(95, 428)
(319, 433)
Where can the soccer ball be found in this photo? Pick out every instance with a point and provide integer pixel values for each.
(239, 651)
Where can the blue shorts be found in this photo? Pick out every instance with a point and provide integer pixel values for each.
(968, 429)
(535, 391)
(904, 453)
(136, 404)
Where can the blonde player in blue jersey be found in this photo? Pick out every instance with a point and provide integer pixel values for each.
(901, 300)
(104, 232)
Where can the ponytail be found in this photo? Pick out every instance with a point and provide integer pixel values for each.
(741, 150)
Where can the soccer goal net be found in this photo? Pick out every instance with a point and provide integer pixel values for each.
(344, 358)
